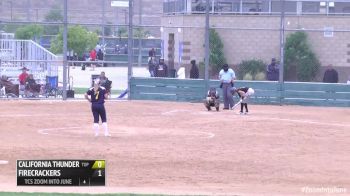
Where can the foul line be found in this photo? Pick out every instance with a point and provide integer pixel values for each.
(304, 121)
(3, 162)
(46, 132)
(206, 135)
(209, 134)
(173, 111)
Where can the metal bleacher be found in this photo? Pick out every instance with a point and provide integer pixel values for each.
(15, 54)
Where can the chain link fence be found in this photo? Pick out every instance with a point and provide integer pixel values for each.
(169, 40)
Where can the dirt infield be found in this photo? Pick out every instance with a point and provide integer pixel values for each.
(179, 148)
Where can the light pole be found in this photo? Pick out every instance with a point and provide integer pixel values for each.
(11, 8)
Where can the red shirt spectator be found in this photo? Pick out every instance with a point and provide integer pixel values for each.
(23, 76)
(93, 55)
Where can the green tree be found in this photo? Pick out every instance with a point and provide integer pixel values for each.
(122, 32)
(29, 32)
(300, 61)
(79, 40)
(251, 67)
(217, 56)
(11, 28)
(141, 33)
(54, 15)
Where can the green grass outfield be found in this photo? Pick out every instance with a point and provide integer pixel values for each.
(66, 194)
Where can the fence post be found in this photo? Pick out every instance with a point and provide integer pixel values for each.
(140, 35)
(65, 32)
(130, 46)
(103, 25)
(281, 68)
(206, 58)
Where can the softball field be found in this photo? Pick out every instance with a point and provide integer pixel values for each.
(180, 148)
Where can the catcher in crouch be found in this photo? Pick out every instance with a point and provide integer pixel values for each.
(212, 99)
(244, 94)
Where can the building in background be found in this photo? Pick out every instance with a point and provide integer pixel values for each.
(82, 11)
(249, 29)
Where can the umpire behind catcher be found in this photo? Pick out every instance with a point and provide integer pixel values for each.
(227, 77)
(97, 95)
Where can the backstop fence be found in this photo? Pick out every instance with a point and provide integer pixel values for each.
(283, 41)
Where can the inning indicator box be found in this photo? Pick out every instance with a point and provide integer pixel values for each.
(61, 172)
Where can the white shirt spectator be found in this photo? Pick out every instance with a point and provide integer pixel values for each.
(227, 77)
(181, 73)
(98, 47)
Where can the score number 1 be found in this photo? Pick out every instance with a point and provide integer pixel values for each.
(99, 165)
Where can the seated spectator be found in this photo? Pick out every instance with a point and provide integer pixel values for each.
(31, 86)
(126, 49)
(330, 75)
(9, 86)
(161, 69)
(117, 49)
(105, 82)
(23, 76)
(272, 71)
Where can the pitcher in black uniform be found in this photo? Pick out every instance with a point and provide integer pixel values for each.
(97, 95)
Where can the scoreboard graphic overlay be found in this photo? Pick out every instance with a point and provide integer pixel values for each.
(61, 172)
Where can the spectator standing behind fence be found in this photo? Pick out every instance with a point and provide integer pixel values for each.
(100, 55)
(98, 47)
(93, 55)
(75, 58)
(151, 53)
(23, 76)
(161, 69)
(330, 75)
(227, 77)
(151, 66)
(348, 82)
(272, 71)
(194, 72)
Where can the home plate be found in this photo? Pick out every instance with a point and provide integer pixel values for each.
(3, 162)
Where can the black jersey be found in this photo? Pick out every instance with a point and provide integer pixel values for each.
(244, 89)
(97, 97)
